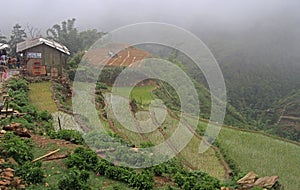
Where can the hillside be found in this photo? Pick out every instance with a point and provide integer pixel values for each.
(262, 154)
(258, 86)
(238, 147)
(284, 116)
(247, 150)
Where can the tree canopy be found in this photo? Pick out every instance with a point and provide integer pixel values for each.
(67, 34)
(18, 35)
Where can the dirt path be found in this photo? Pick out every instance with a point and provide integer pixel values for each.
(290, 117)
(165, 136)
(44, 143)
(228, 171)
(117, 131)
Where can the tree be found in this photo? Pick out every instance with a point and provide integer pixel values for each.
(89, 37)
(66, 34)
(18, 35)
(33, 32)
(2, 38)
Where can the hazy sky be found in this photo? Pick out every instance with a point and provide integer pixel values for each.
(106, 15)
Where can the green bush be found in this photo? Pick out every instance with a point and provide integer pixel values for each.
(31, 172)
(170, 167)
(18, 84)
(196, 180)
(44, 115)
(83, 159)
(74, 180)
(68, 135)
(142, 180)
(101, 85)
(137, 180)
(15, 147)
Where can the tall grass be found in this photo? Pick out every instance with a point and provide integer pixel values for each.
(264, 155)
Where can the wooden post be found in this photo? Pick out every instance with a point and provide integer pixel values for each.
(59, 123)
(6, 109)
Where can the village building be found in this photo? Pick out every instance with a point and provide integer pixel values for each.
(43, 57)
(3, 48)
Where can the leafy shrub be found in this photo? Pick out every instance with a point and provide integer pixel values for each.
(196, 180)
(45, 115)
(17, 84)
(15, 147)
(101, 85)
(170, 167)
(74, 180)
(83, 159)
(61, 94)
(134, 179)
(146, 144)
(31, 172)
(142, 180)
(68, 135)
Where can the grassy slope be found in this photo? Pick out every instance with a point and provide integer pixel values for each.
(259, 153)
(142, 94)
(54, 170)
(41, 97)
(251, 151)
(288, 116)
(207, 161)
(263, 154)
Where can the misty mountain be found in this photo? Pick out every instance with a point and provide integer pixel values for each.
(256, 43)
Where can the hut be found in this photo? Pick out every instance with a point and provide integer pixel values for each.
(42, 56)
(3, 49)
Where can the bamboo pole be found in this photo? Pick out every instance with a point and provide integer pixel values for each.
(46, 155)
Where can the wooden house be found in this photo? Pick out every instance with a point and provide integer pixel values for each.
(43, 57)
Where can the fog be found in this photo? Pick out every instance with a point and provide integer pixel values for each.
(106, 15)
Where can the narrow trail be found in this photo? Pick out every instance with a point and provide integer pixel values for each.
(171, 146)
(228, 171)
(281, 115)
(290, 117)
(117, 131)
(138, 127)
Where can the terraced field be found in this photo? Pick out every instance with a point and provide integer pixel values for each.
(250, 151)
(264, 155)
(122, 55)
(40, 95)
(190, 155)
(142, 94)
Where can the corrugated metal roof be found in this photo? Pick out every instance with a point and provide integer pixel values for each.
(3, 46)
(38, 41)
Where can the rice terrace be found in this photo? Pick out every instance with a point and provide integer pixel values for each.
(65, 126)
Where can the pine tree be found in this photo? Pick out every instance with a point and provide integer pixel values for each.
(18, 35)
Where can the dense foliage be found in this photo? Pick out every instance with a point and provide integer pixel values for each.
(83, 159)
(62, 94)
(15, 147)
(196, 180)
(31, 172)
(33, 117)
(74, 180)
(68, 135)
(68, 34)
(12, 146)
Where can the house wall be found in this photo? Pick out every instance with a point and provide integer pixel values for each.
(52, 59)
